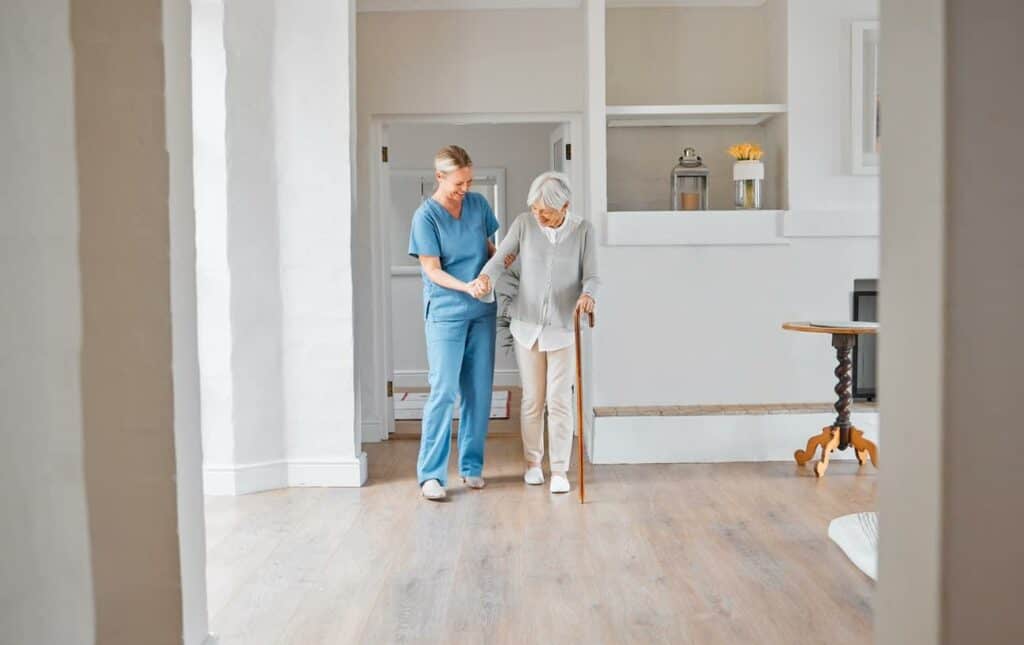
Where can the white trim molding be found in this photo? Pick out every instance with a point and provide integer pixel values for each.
(336, 473)
(241, 479)
(695, 228)
(713, 438)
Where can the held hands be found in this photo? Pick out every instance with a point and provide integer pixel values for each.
(585, 304)
(480, 287)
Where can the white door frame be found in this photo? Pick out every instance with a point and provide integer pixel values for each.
(383, 361)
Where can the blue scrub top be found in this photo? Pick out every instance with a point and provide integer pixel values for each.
(462, 246)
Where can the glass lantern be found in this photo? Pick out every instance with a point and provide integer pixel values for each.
(690, 183)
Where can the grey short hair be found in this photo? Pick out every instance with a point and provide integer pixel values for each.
(551, 190)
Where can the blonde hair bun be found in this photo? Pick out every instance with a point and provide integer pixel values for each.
(451, 158)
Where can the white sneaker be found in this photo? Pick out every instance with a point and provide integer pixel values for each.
(559, 483)
(474, 482)
(433, 490)
(534, 476)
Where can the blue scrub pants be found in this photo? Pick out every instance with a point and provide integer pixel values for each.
(461, 357)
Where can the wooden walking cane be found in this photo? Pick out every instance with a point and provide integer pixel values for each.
(579, 395)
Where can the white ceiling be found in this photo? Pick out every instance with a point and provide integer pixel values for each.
(481, 5)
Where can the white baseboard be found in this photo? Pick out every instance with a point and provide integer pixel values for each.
(241, 479)
(349, 473)
(418, 378)
(712, 439)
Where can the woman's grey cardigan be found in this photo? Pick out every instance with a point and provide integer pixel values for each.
(564, 270)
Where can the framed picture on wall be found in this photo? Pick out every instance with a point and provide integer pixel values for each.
(865, 98)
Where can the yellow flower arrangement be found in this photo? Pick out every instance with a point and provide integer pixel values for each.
(746, 152)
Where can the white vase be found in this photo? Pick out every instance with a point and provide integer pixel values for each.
(747, 177)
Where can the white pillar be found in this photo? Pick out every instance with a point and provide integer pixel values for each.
(275, 192)
(314, 82)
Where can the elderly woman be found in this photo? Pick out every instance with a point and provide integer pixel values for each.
(450, 236)
(558, 276)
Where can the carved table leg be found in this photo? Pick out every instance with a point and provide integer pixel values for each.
(807, 454)
(826, 450)
(865, 448)
(844, 385)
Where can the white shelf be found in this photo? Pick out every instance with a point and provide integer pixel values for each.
(695, 228)
(691, 115)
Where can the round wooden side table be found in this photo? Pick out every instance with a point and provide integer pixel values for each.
(841, 434)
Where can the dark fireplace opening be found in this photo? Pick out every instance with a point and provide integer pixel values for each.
(865, 352)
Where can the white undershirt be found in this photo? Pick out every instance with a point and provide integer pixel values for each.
(547, 338)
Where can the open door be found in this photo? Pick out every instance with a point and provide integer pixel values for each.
(406, 189)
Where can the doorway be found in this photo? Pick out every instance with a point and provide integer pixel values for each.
(508, 151)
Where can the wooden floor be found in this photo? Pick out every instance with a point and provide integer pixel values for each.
(725, 553)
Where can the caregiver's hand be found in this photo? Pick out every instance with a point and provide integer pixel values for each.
(509, 259)
(585, 304)
(480, 287)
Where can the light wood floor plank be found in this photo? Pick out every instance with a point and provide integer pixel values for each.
(679, 553)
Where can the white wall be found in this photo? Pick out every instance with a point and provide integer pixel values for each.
(46, 593)
(275, 138)
(819, 107)
(522, 150)
(452, 62)
(707, 329)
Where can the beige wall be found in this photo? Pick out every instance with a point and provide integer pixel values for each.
(693, 56)
(470, 61)
(669, 56)
(127, 388)
(983, 523)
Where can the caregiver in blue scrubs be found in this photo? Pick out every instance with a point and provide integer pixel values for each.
(451, 236)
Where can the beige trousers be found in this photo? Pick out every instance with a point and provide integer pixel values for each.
(547, 377)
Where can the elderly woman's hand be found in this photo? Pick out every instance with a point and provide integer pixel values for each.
(585, 304)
